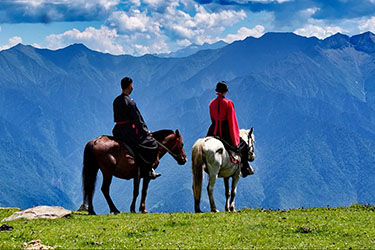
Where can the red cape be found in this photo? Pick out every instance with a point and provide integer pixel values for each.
(222, 109)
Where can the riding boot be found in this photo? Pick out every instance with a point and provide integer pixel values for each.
(153, 175)
(245, 166)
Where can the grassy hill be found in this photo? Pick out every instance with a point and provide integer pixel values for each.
(315, 228)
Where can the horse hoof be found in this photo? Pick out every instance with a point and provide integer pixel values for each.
(83, 208)
(92, 213)
(144, 211)
(214, 210)
(115, 212)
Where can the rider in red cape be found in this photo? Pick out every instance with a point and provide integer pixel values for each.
(224, 122)
(131, 129)
(223, 117)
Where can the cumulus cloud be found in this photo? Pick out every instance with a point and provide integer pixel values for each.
(318, 31)
(45, 11)
(103, 39)
(135, 21)
(11, 42)
(367, 25)
(244, 32)
(171, 27)
(108, 40)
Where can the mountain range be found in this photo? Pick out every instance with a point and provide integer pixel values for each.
(192, 49)
(311, 103)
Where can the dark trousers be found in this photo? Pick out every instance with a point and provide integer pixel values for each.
(145, 147)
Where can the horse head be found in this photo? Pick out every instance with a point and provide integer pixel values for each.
(248, 136)
(251, 143)
(177, 149)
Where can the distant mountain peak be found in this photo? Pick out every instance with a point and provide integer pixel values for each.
(279, 34)
(194, 48)
(286, 36)
(364, 42)
(337, 41)
(21, 46)
(77, 46)
(26, 49)
(338, 35)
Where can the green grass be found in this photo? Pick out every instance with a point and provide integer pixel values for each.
(315, 228)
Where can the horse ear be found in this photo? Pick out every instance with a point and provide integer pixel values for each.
(177, 132)
(251, 130)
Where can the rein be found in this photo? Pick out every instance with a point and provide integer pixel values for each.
(250, 140)
(168, 150)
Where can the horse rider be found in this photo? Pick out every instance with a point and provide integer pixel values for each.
(224, 123)
(132, 130)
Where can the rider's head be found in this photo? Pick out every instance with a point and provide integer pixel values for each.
(127, 85)
(221, 87)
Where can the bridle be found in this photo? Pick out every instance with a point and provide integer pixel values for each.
(250, 142)
(175, 156)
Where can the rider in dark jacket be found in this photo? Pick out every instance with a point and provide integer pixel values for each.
(131, 129)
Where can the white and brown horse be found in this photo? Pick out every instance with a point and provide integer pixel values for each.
(209, 155)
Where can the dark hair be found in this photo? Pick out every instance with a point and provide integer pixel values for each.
(221, 87)
(125, 82)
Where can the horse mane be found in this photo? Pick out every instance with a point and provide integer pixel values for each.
(244, 132)
(161, 134)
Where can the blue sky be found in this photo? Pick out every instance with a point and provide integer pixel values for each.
(137, 27)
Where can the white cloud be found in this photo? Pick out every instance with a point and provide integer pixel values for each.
(201, 27)
(154, 2)
(244, 32)
(318, 31)
(143, 29)
(135, 22)
(11, 42)
(223, 18)
(367, 25)
(158, 26)
(103, 39)
(136, 3)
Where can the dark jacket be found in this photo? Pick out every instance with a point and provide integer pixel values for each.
(131, 128)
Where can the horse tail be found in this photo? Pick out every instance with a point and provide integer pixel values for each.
(89, 172)
(197, 167)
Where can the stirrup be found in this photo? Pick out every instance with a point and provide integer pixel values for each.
(153, 175)
(232, 158)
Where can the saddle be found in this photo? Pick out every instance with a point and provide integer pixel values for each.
(241, 149)
(232, 150)
(128, 151)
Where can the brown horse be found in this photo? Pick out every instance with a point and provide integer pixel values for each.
(110, 156)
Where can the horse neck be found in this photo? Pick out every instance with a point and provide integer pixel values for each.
(166, 141)
(169, 141)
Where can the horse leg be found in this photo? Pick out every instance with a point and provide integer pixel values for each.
(210, 191)
(89, 172)
(233, 193)
(142, 206)
(107, 179)
(227, 193)
(135, 193)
